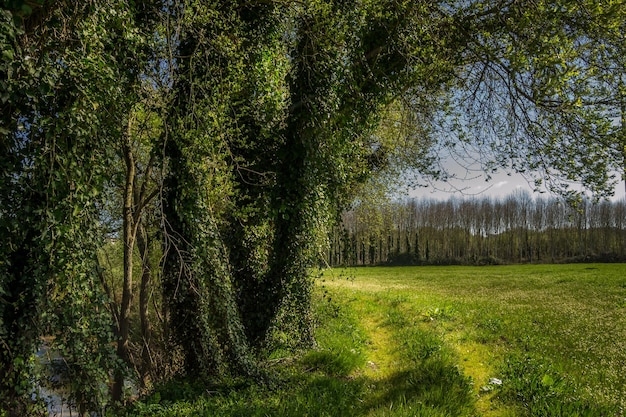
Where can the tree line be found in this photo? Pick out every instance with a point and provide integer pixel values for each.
(480, 231)
(217, 143)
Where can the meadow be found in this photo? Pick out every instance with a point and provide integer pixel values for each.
(523, 340)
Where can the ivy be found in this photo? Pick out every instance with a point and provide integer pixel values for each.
(62, 72)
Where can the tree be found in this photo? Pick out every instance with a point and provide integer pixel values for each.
(139, 190)
(542, 90)
(334, 79)
(66, 89)
(531, 230)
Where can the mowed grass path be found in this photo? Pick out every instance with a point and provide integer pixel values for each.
(555, 335)
(529, 340)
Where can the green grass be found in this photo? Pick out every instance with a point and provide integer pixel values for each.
(429, 341)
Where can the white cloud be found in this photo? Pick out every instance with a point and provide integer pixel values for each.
(500, 184)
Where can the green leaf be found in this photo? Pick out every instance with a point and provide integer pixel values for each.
(8, 55)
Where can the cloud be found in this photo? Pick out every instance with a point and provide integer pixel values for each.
(500, 184)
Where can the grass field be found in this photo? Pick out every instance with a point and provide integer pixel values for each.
(529, 340)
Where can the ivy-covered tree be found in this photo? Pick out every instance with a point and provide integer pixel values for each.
(66, 90)
(282, 100)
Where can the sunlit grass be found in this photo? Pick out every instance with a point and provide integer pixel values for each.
(572, 317)
(534, 340)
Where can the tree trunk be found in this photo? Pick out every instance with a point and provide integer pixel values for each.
(129, 233)
(143, 244)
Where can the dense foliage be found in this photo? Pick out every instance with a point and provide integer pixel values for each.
(228, 136)
(66, 89)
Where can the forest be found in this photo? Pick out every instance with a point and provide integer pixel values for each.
(171, 170)
(480, 231)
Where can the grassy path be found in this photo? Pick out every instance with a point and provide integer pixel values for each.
(380, 356)
(383, 357)
(407, 368)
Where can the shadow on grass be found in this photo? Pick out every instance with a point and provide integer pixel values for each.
(433, 389)
(331, 381)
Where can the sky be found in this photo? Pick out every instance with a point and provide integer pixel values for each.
(500, 185)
